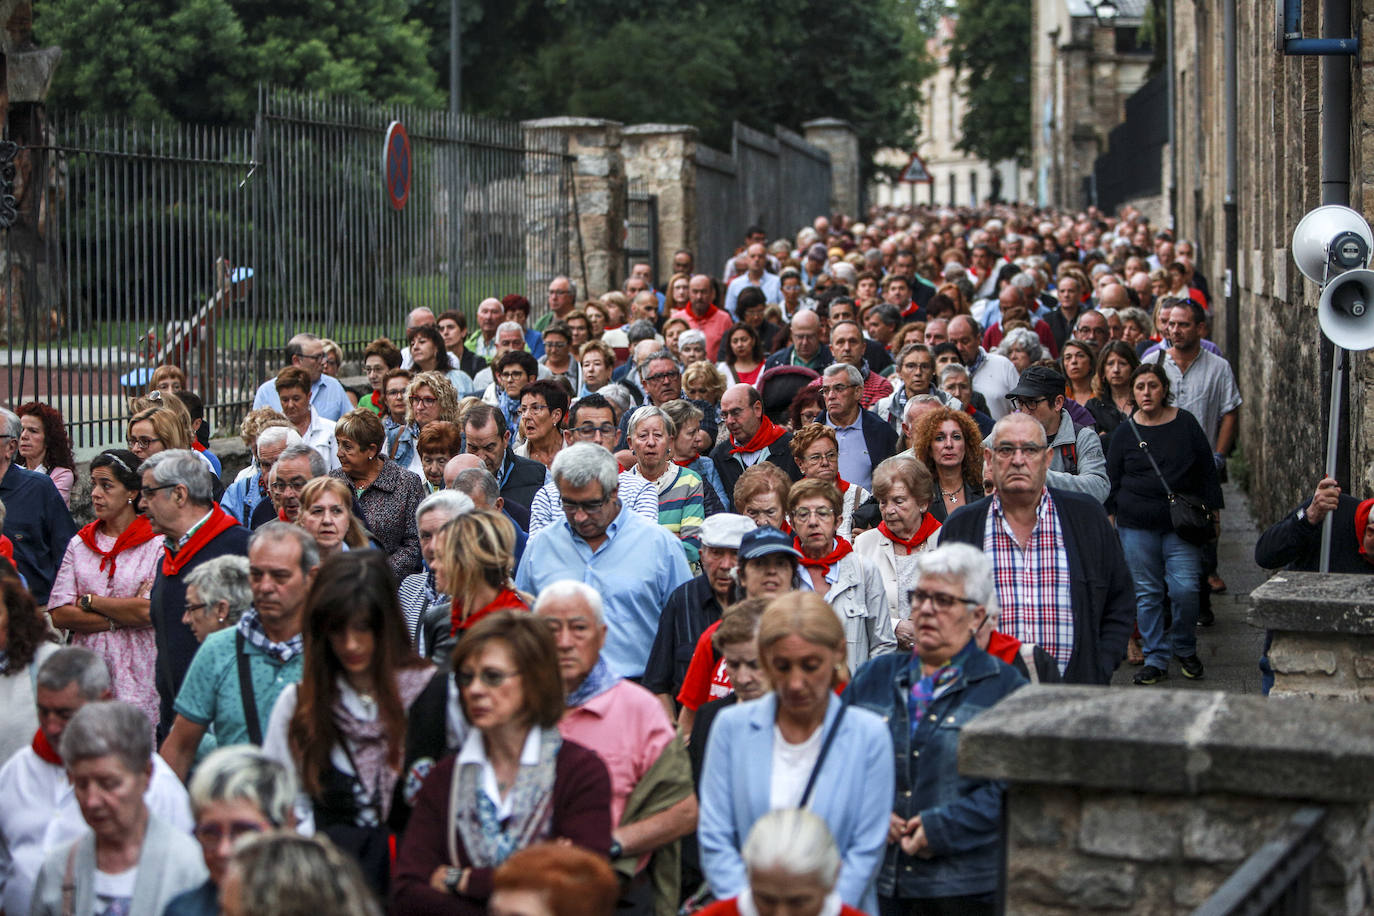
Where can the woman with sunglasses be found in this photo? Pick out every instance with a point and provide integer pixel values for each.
(341, 730)
(513, 782)
(100, 595)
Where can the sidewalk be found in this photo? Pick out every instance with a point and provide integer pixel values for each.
(1229, 650)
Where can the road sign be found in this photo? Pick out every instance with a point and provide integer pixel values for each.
(396, 167)
(916, 171)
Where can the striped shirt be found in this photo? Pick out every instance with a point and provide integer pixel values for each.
(680, 507)
(1033, 584)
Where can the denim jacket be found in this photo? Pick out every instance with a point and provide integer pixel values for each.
(961, 816)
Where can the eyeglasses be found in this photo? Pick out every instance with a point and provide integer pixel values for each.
(588, 431)
(213, 834)
(1007, 451)
(165, 486)
(192, 608)
(490, 677)
(317, 357)
(533, 409)
(588, 507)
(827, 390)
(136, 441)
(296, 483)
(826, 458)
(663, 376)
(802, 515)
(1026, 403)
(416, 401)
(514, 376)
(397, 393)
(555, 344)
(941, 600)
(330, 361)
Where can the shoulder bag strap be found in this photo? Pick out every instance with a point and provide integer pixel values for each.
(820, 760)
(250, 702)
(1027, 653)
(69, 883)
(1146, 449)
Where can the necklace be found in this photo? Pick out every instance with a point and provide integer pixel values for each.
(952, 495)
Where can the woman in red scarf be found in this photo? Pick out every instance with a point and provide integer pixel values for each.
(903, 487)
(473, 564)
(849, 583)
(101, 592)
(817, 453)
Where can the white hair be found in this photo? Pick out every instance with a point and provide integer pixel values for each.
(279, 435)
(648, 412)
(569, 590)
(961, 563)
(1022, 339)
(506, 327)
(851, 373)
(450, 502)
(691, 336)
(581, 464)
(796, 841)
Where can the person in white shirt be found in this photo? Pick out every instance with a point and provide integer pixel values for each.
(38, 808)
(993, 375)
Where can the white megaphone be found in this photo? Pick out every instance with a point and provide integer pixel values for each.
(1332, 246)
(1346, 310)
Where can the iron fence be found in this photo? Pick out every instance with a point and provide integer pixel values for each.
(1132, 165)
(641, 228)
(209, 247)
(1277, 879)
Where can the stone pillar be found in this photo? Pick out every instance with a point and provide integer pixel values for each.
(1322, 628)
(841, 141)
(663, 158)
(1146, 801)
(597, 261)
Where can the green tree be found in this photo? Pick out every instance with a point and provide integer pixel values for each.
(991, 49)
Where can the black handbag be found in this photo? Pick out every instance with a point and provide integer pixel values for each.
(1191, 518)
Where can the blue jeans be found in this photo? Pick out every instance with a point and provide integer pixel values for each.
(1160, 559)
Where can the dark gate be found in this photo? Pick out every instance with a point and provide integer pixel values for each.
(641, 229)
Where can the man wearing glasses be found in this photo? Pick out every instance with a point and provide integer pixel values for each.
(592, 419)
(754, 437)
(1062, 580)
(306, 351)
(633, 563)
(864, 439)
(486, 434)
(294, 468)
(1077, 462)
(562, 297)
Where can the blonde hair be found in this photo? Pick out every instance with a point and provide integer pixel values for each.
(479, 549)
(706, 373)
(172, 429)
(804, 614)
(443, 391)
(356, 536)
(257, 420)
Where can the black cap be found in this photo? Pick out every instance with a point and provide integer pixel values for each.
(1039, 382)
(765, 540)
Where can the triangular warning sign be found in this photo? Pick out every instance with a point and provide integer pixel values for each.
(916, 172)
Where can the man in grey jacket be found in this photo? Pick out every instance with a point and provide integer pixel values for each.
(1078, 463)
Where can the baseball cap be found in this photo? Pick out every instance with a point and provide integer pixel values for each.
(724, 530)
(1038, 382)
(765, 540)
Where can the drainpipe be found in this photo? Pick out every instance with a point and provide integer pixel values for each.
(1231, 284)
(1169, 96)
(1335, 180)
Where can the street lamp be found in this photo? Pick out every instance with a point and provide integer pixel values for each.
(1106, 12)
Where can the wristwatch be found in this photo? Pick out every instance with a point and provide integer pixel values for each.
(453, 879)
(1302, 517)
(616, 851)
(84, 602)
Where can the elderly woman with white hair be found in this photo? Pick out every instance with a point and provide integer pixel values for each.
(691, 347)
(945, 829)
(681, 500)
(418, 592)
(236, 792)
(131, 861)
(793, 867)
(1022, 347)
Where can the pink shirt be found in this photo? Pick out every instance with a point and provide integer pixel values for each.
(715, 326)
(628, 728)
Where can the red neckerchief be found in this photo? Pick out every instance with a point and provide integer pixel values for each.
(710, 313)
(1002, 646)
(44, 750)
(218, 523)
(683, 464)
(970, 409)
(376, 399)
(195, 444)
(929, 525)
(6, 548)
(911, 309)
(508, 599)
(842, 547)
(140, 531)
(281, 516)
(841, 484)
(768, 433)
(1362, 522)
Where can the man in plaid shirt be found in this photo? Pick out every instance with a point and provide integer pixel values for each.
(1061, 577)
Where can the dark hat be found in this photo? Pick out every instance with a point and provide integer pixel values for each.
(1038, 382)
(765, 540)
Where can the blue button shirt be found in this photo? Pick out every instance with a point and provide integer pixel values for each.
(635, 570)
(39, 525)
(856, 465)
(326, 396)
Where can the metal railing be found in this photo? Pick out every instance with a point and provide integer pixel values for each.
(641, 229)
(209, 247)
(1277, 879)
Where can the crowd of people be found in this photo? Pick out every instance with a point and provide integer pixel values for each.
(676, 595)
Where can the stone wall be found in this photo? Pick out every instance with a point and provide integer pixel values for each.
(661, 159)
(1322, 632)
(1278, 365)
(839, 139)
(1146, 801)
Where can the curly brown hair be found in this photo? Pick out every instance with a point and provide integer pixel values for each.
(924, 437)
(25, 628)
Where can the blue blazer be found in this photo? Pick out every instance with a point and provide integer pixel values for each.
(853, 794)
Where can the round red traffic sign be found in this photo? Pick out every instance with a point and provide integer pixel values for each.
(396, 167)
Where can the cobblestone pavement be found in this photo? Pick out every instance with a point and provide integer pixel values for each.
(1230, 649)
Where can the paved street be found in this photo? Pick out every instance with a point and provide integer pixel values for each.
(1229, 650)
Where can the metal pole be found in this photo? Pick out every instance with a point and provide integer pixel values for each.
(455, 57)
(1232, 217)
(1169, 96)
(452, 154)
(1335, 178)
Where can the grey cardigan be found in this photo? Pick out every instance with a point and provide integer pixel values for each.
(169, 863)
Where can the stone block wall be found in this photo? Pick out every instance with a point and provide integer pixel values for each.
(839, 139)
(661, 158)
(1322, 632)
(1146, 802)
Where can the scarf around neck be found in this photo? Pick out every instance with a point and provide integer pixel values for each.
(598, 681)
(218, 523)
(368, 742)
(768, 433)
(139, 532)
(45, 751)
(838, 553)
(488, 841)
(250, 626)
(508, 599)
(929, 525)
